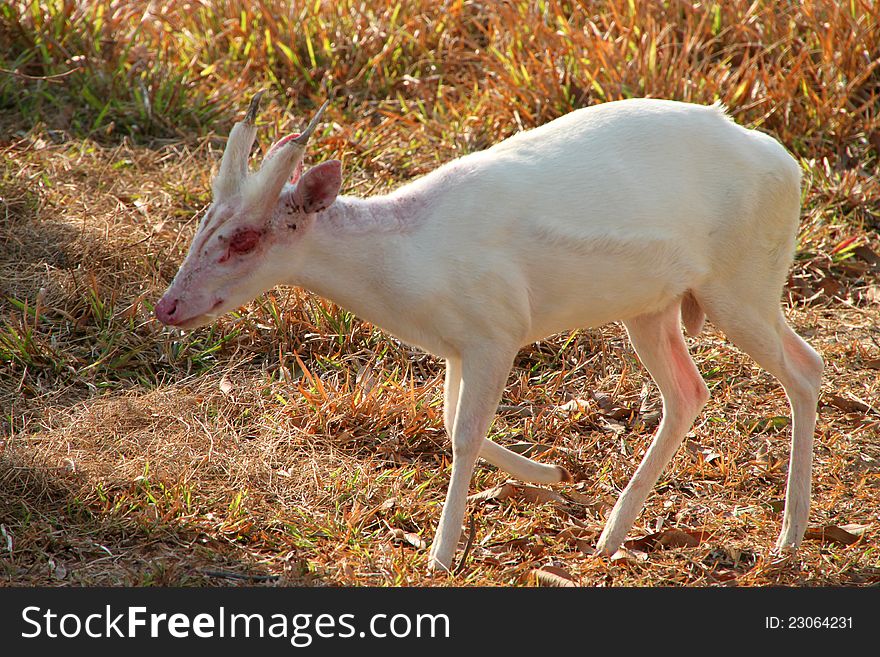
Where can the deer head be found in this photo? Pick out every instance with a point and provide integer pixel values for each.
(239, 248)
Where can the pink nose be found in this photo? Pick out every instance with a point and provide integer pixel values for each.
(165, 310)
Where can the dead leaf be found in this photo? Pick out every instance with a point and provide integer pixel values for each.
(575, 533)
(575, 406)
(668, 538)
(365, 379)
(539, 495)
(673, 538)
(580, 498)
(226, 386)
(522, 492)
(553, 576)
(522, 544)
(710, 455)
(625, 555)
(856, 528)
(609, 408)
(830, 286)
(58, 569)
(613, 427)
(529, 450)
(408, 537)
(603, 400)
(865, 253)
(835, 534)
(873, 364)
(776, 506)
(521, 410)
(499, 493)
(846, 405)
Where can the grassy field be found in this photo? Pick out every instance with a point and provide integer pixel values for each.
(292, 443)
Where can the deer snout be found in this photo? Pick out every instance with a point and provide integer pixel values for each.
(166, 309)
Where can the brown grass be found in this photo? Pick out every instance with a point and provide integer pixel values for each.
(293, 443)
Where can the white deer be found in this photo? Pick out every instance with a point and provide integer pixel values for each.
(648, 212)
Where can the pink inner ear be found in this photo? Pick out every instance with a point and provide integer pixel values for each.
(297, 172)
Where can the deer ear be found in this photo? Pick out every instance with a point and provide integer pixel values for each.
(317, 188)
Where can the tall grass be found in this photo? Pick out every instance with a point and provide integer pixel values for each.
(806, 71)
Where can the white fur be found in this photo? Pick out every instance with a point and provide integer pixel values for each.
(616, 212)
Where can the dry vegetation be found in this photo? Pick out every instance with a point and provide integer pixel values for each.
(291, 442)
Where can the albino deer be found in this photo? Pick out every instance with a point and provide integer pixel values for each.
(641, 211)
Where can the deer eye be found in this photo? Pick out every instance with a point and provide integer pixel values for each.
(244, 241)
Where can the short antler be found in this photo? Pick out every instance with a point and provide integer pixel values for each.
(251, 115)
(278, 166)
(233, 166)
(304, 136)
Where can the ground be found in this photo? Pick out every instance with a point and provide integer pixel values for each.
(291, 442)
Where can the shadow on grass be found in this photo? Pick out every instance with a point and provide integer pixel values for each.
(50, 537)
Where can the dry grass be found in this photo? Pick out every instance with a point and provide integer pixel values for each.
(293, 443)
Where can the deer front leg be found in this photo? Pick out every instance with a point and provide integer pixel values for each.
(514, 464)
(483, 375)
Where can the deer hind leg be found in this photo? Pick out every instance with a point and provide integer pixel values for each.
(658, 341)
(758, 327)
(518, 466)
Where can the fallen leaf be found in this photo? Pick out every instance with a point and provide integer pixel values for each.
(847, 405)
(529, 450)
(673, 538)
(603, 400)
(830, 286)
(575, 406)
(609, 408)
(855, 528)
(835, 534)
(522, 492)
(553, 576)
(668, 538)
(580, 498)
(574, 533)
(724, 575)
(865, 253)
(710, 455)
(521, 410)
(626, 555)
(226, 386)
(873, 364)
(58, 569)
(408, 537)
(771, 423)
(498, 493)
(613, 427)
(365, 379)
(776, 506)
(522, 544)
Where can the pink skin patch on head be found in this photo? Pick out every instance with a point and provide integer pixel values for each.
(242, 241)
